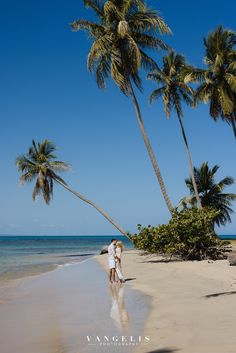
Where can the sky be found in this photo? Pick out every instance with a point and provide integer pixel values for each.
(47, 92)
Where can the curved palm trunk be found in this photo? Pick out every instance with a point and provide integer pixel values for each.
(150, 151)
(190, 162)
(81, 197)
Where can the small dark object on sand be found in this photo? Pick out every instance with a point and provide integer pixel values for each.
(104, 250)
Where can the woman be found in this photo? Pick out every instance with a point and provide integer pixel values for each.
(119, 250)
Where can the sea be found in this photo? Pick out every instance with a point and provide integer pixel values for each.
(22, 256)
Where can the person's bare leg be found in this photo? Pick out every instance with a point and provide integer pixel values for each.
(110, 275)
(113, 275)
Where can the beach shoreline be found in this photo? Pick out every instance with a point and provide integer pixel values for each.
(193, 308)
(57, 311)
(186, 307)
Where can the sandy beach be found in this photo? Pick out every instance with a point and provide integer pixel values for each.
(193, 303)
(186, 307)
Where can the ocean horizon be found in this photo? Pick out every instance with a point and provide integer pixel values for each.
(27, 255)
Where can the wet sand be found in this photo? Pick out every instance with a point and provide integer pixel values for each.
(56, 311)
(187, 307)
(193, 303)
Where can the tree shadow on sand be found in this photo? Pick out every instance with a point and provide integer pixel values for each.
(79, 255)
(130, 279)
(163, 350)
(218, 294)
(161, 260)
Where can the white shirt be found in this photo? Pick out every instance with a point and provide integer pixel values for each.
(111, 251)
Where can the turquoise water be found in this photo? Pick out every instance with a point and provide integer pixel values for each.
(228, 237)
(22, 256)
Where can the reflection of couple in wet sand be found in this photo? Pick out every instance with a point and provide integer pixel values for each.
(118, 312)
(114, 261)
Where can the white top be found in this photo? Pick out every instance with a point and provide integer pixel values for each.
(118, 252)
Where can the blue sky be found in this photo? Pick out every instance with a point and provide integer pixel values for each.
(46, 92)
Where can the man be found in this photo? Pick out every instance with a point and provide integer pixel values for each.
(112, 260)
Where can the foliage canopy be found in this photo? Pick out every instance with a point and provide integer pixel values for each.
(189, 235)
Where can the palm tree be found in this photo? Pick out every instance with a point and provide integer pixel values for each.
(218, 81)
(40, 164)
(173, 90)
(124, 29)
(211, 192)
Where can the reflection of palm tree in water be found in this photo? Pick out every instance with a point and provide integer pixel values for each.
(118, 312)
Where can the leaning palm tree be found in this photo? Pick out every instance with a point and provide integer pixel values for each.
(218, 81)
(211, 192)
(123, 31)
(173, 90)
(39, 164)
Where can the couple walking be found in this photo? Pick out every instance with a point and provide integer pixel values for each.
(114, 261)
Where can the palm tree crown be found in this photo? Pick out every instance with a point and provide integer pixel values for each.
(125, 28)
(212, 193)
(172, 87)
(218, 84)
(40, 164)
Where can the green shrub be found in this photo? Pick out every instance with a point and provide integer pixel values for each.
(189, 235)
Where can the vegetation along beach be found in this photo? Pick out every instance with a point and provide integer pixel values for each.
(118, 225)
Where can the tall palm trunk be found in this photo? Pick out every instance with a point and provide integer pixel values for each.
(81, 197)
(150, 151)
(233, 125)
(190, 162)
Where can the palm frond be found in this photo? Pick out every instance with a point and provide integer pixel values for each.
(103, 71)
(37, 190)
(100, 48)
(146, 41)
(226, 182)
(148, 20)
(147, 62)
(95, 6)
(92, 28)
(159, 92)
(231, 80)
(111, 12)
(59, 166)
(211, 192)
